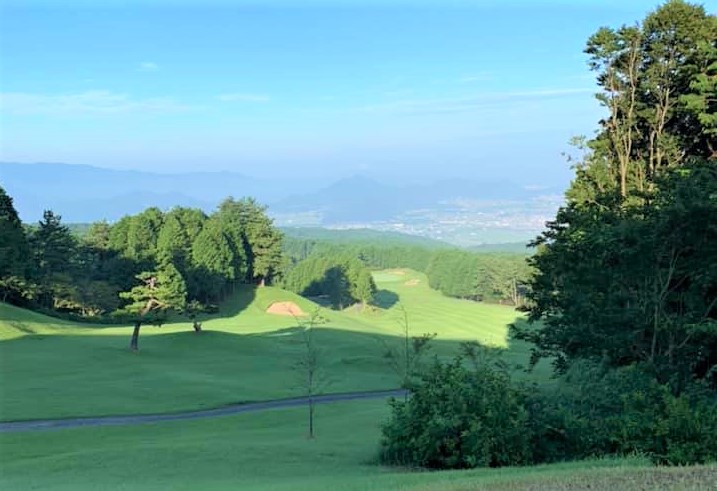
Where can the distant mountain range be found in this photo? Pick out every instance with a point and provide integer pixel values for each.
(82, 193)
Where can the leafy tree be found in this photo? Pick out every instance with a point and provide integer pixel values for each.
(624, 272)
(458, 418)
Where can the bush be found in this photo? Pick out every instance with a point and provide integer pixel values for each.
(594, 411)
(458, 418)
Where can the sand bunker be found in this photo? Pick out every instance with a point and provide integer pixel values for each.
(412, 282)
(285, 308)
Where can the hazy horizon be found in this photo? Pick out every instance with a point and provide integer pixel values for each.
(485, 90)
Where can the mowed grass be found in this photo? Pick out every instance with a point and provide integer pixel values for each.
(55, 369)
(270, 451)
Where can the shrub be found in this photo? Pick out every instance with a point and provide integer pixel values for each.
(461, 417)
(595, 411)
(458, 418)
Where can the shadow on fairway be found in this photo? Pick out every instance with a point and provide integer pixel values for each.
(386, 299)
(94, 374)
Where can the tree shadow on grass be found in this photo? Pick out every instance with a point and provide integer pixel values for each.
(179, 371)
(242, 297)
(385, 299)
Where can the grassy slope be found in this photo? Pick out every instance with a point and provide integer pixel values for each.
(54, 369)
(269, 451)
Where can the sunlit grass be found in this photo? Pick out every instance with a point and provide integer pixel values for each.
(53, 369)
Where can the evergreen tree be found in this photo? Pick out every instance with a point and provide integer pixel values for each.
(214, 261)
(173, 241)
(53, 246)
(249, 226)
(232, 225)
(158, 293)
(142, 235)
(13, 242)
(98, 236)
(365, 287)
(118, 235)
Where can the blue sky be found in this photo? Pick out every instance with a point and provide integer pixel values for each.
(411, 90)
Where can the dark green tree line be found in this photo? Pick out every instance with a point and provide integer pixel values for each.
(492, 277)
(342, 279)
(199, 258)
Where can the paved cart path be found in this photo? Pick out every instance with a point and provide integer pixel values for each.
(57, 424)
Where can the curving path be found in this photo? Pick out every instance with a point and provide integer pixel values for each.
(58, 424)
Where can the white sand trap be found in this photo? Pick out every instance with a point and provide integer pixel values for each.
(285, 308)
(412, 282)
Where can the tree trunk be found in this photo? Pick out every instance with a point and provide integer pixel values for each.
(262, 282)
(311, 416)
(133, 344)
(197, 327)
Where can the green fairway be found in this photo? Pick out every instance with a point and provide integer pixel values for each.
(270, 451)
(55, 369)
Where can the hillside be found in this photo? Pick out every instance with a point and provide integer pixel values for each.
(59, 369)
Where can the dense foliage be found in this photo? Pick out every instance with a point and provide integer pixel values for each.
(109, 270)
(627, 272)
(624, 295)
(492, 277)
(341, 279)
(487, 277)
(458, 418)
(595, 410)
(469, 413)
(379, 255)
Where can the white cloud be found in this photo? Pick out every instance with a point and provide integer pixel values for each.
(244, 97)
(148, 66)
(93, 102)
(461, 104)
